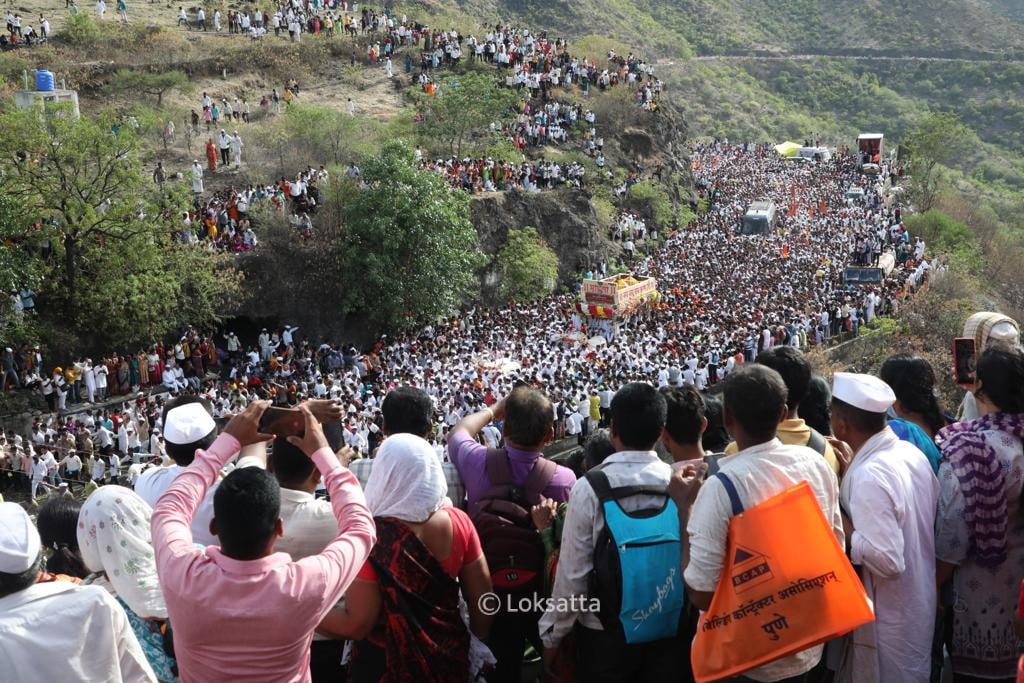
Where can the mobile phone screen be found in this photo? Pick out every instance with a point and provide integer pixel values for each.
(282, 422)
(964, 352)
(333, 434)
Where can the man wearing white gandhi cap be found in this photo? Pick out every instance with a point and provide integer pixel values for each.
(889, 495)
(187, 427)
(58, 630)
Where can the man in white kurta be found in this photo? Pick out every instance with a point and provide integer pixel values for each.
(58, 631)
(197, 178)
(889, 494)
(235, 144)
(89, 375)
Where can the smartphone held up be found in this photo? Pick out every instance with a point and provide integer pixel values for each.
(282, 421)
(964, 361)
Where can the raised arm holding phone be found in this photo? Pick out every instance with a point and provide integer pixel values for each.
(227, 601)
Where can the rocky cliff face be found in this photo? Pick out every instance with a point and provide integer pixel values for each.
(653, 145)
(565, 218)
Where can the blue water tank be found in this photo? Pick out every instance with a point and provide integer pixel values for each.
(44, 81)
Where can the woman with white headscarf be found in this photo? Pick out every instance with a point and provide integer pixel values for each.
(403, 608)
(116, 545)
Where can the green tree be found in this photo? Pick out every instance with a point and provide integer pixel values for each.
(149, 83)
(19, 267)
(331, 135)
(463, 109)
(410, 253)
(528, 266)
(109, 269)
(936, 141)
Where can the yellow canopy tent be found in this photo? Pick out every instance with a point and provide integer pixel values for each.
(787, 149)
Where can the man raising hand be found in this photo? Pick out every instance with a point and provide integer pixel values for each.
(241, 611)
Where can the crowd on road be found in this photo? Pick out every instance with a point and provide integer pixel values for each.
(723, 296)
(723, 299)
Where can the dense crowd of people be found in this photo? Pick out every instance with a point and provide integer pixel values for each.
(722, 297)
(489, 175)
(299, 509)
(184, 559)
(417, 420)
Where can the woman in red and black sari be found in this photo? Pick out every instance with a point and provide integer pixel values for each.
(403, 608)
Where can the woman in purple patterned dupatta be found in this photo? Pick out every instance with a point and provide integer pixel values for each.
(980, 526)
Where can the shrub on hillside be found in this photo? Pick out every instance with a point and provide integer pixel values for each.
(947, 236)
(650, 199)
(81, 31)
(528, 266)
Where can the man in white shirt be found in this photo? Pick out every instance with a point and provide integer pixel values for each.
(52, 467)
(492, 437)
(122, 437)
(38, 474)
(83, 623)
(890, 494)
(754, 403)
(100, 372)
(264, 343)
(320, 389)
(188, 426)
(574, 426)
(154, 446)
(605, 394)
(288, 334)
(637, 414)
(115, 469)
(170, 378)
(309, 524)
(99, 470)
(103, 437)
(233, 344)
(72, 464)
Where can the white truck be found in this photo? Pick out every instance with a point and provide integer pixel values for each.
(759, 219)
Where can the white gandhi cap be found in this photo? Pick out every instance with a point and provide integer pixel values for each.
(188, 423)
(866, 392)
(19, 540)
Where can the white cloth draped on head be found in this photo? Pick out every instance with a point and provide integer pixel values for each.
(406, 481)
(114, 537)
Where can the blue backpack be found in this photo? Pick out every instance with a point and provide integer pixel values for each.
(636, 573)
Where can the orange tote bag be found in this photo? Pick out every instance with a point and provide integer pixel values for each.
(786, 586)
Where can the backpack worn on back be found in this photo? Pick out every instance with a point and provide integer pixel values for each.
(512, 546)
(636, 572)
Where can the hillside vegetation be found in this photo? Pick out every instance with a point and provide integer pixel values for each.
(771, 71)
(922, 27)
